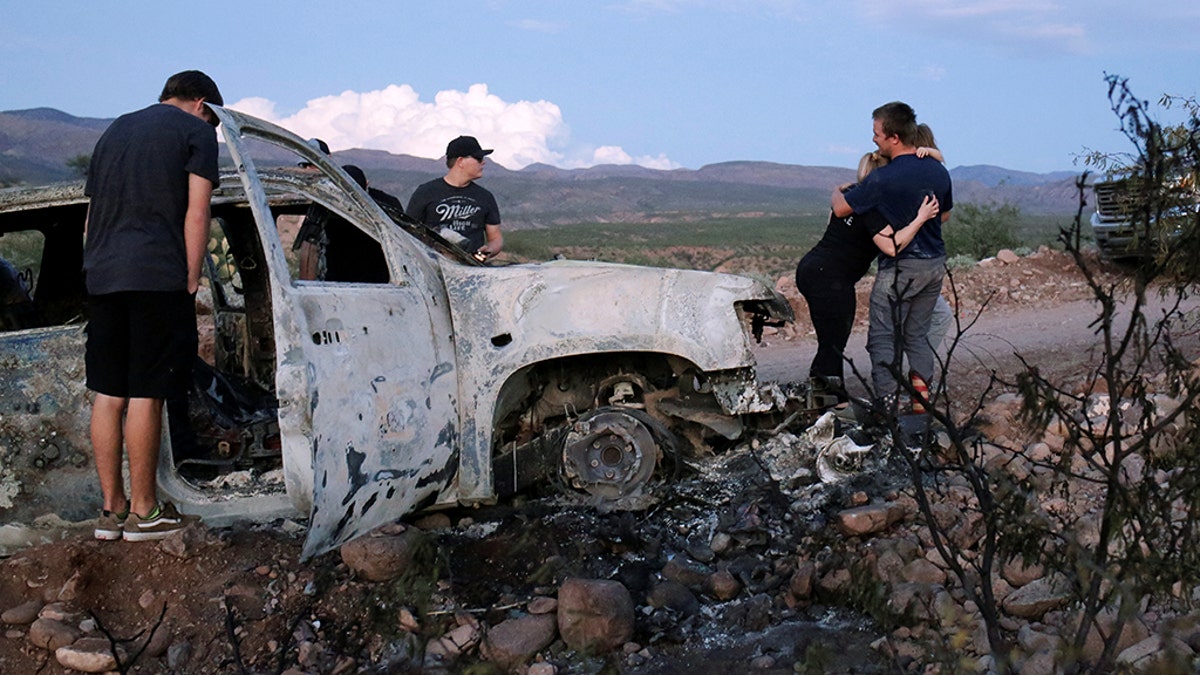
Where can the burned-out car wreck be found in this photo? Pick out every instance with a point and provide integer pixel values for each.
(356, 403)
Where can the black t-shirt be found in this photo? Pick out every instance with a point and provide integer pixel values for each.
(138, 184)
(897, 190)
(847, 247)
(466, 210)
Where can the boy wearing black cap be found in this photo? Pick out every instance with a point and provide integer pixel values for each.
(150, 181)
(457, 203)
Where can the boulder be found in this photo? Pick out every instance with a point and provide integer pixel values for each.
(673, 595)
(379, 556)
(89, 655)
(869, 519)
(1017, 573)
(801, 583)
(724, 586)
(690, 574)
(924, 572)
(1007, 256)
(1036, 598)
(23, 614)
(1155, 654)
(50, 634)
(515, 641)
(594, 614)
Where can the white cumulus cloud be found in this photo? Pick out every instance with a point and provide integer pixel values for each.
(395, 119)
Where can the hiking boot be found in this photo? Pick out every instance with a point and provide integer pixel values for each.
(110, 525)
(161, 522)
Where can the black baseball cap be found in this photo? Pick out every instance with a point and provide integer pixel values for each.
(466, 146)
(315, 144)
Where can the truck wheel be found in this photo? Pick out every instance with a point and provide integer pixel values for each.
(611, 452)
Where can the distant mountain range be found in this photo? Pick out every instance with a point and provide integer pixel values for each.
(37, 144)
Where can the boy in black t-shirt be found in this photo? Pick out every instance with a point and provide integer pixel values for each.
(150, 181)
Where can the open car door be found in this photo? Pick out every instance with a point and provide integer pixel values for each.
(365, 373)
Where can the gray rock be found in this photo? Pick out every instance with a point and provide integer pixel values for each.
(673, 595)
(22, 614)
(57, 611)
(179, 654)
(1039, 663)
(89, 655)
(701, 551)
(690, 574)
(720, 543)
(924, 572)
(594, 614)
(1019, 574)
(50, 634)
(1133, 631)
(1155, 654)
(159, 642)
(1007, 256)
(187, 542)
(912, 598)
(516, 641)
(1036, 598)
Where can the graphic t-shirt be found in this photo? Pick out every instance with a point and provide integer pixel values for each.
(138, 183)
(463, 211)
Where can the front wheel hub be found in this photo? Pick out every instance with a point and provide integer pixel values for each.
(609, 453)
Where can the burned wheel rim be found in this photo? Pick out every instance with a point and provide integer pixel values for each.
(610, 452)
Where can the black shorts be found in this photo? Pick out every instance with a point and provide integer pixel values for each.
(140, 344)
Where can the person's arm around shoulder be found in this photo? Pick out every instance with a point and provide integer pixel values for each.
(931, 152)
(196, 226)
(841, 208)
(891, 242)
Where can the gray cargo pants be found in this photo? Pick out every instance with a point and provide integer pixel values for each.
(902, 303)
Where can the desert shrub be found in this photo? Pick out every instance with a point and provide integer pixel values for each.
(961, 261)
(980, 230)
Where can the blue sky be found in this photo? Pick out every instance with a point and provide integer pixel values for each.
(663, 83)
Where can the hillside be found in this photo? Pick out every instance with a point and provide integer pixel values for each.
(36, 144)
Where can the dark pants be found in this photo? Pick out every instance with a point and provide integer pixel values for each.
(829, 291)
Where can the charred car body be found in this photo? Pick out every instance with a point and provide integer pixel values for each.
(356, 403)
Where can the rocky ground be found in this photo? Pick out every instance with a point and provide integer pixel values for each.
(772, 556)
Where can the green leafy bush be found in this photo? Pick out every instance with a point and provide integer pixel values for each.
(980, 230)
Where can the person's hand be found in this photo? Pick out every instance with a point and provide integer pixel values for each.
(486, 252)
(922, 151)
(844, 186)
(929, 208)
